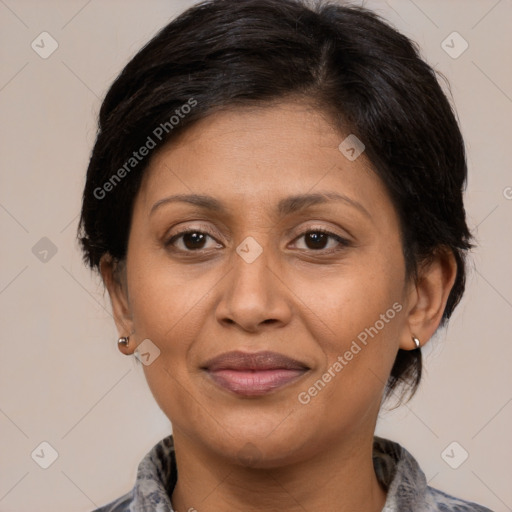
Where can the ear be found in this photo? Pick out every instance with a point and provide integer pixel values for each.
(428, 296)
(114, 279)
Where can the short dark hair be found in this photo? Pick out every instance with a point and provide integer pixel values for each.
(354, 67)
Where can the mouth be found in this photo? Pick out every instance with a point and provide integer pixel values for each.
(253, 374)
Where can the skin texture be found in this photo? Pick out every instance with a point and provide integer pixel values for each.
(271, 452)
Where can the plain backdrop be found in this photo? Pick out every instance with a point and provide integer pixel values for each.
(62, 379)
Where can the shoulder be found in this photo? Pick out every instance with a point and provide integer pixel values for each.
(407, 488)
(156, 477)
(439, 501)
(122, 504)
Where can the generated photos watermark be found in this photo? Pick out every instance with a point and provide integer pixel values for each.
(305, 397)
(151, 142)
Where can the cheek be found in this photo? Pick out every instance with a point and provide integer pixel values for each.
(363, 308)
(164, 297)
(161, 306)
(359, 297)
(171, 306)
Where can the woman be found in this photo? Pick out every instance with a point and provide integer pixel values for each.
(274, 203)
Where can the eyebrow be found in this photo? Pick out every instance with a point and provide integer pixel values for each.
(286, 206)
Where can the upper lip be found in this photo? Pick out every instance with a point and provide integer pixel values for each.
(265, 360)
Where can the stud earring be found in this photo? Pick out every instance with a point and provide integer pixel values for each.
(125, 340)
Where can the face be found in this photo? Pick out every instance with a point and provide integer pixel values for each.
(294, 249)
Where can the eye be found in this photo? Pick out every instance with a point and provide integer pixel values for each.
(317, 239)
(192, 240)
(196, 240)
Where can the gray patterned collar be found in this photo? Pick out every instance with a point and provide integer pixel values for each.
(395, 467)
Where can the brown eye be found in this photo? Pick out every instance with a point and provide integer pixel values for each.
(194, 240)
(191, 240)
(317, 240)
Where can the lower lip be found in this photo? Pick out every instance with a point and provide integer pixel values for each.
(254, 383)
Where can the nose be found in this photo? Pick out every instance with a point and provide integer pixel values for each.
(254, 295)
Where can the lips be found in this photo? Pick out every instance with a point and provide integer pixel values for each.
(255, 361)
(253, 374)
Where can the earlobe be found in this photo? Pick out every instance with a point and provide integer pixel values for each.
(428, 298)
(115, 283)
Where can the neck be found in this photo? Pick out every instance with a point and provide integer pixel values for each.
(342, 475)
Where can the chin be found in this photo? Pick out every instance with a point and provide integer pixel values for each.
(257, 447)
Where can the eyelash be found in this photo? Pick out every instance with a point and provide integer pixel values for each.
(342, 241)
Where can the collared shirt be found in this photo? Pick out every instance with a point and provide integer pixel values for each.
(395, 467)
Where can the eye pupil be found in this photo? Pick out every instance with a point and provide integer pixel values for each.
(318, 239)
(196, 239)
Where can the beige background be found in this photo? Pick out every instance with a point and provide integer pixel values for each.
(62, 379)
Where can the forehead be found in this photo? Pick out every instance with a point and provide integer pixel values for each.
(253, 155)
